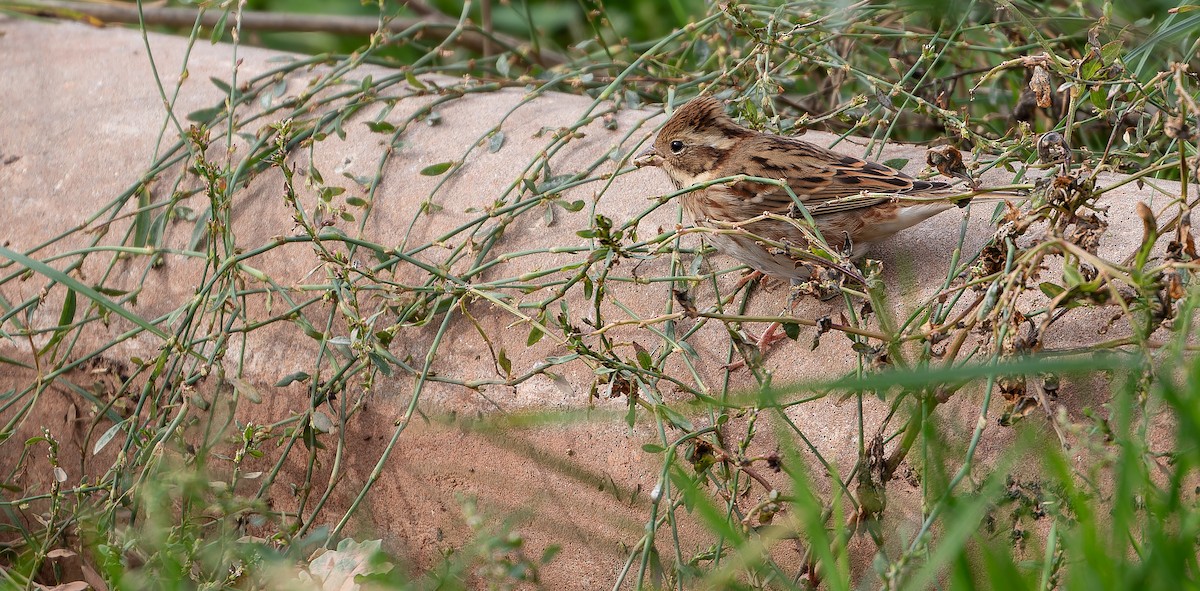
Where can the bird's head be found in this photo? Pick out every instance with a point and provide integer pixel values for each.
(693, 142)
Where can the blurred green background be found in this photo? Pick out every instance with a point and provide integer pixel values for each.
(561, 24)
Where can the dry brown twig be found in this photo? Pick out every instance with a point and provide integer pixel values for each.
(100, 14)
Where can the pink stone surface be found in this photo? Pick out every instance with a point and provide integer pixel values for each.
(80, 119)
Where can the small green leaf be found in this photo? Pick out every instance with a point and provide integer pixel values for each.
(535, 335)
(245, 389)
(219, 28)
(310, 331)
(561, 383)
(1072, 275)
(675, 418)
(65, 318)
(644, 359)
(331, 233)
(572, 206)
(989, 301)
(107, 437)
(141, 222)
(109, 291)
(436, 169)
(200, 231)
(550, 552)
(1112, 50)
(504, 362)
(185, 213)
(223, 85)
(792, 330)
(321, 422)
(328, 193)
(356, 201)
(897, 163)
(496, 142)
(362, 181)
(553, 183)
(413, 82)
(381, 126)
(155, 235)
(380, 363)
(688, 350)
(651, 448)
(298, 376)
(205, 115)
(1051, 289)
(443, 304)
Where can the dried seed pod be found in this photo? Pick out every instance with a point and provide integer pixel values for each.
(1087, 231)
(1149, 224)
(1052, 148)
(1177, 128)
(991, 260)
(1184, 234)
(1011, 387)
(1026, 107)
(948, 161)
(1039, 83)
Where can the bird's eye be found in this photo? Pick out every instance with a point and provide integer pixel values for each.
(677, 146)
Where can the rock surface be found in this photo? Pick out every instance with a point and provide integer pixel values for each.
(81, 125)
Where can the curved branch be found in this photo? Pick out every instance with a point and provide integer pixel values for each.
(472, 39)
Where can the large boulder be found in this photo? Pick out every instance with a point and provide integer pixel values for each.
(454, 245)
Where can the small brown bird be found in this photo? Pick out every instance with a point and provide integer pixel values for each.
(852, 201)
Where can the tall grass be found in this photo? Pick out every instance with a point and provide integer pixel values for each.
(1074, 503)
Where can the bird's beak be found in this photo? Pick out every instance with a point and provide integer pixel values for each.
(648, 157)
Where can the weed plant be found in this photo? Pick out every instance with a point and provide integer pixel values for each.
(1055, 93)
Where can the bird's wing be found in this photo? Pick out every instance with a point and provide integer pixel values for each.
(824, 181)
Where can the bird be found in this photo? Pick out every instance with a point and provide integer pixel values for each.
(854, 203)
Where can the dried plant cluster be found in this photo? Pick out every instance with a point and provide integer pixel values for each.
(1052, 99)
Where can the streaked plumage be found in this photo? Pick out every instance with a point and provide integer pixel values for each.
(850, 199)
